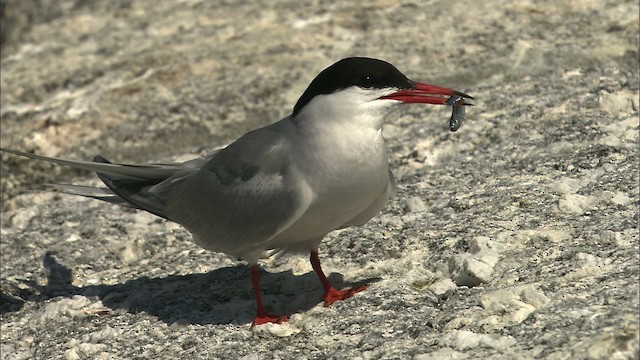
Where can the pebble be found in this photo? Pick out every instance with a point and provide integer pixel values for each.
(476, 266)
(414, 204)
(464, 340)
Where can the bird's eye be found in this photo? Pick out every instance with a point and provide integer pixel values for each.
(367, 82)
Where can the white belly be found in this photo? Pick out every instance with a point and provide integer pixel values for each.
(349, 187)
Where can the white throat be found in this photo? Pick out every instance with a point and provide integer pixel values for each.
(350, 108)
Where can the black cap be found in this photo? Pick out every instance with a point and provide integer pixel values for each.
(363, 72)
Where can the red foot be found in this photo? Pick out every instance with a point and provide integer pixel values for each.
(332, 295)
(262, 316)
(268, 319)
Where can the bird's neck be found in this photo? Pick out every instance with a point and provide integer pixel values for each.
(342, 140)
(342, 111)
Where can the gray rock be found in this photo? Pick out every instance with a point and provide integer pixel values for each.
(541, 178)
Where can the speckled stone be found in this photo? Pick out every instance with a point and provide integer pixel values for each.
(542, 179)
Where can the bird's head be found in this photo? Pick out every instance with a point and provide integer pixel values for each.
(364, 89)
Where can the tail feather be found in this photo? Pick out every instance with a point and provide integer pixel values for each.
(98, 193)
(153, 171)
(128, 185)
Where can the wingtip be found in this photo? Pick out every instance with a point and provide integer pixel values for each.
(100, 159)
(11, 151)
(464, 95)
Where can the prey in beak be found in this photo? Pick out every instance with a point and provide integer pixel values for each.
(426, 94)
(436, 95)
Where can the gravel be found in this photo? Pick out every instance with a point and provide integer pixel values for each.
(515, 237)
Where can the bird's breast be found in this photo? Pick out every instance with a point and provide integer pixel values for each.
(346, 173)
(354, 158)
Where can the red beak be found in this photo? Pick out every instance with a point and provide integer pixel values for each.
(426, 94)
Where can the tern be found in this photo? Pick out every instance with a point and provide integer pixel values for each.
(285, 186)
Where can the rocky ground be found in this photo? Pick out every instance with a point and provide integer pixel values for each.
(515, 237)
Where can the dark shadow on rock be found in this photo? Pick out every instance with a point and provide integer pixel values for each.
(58, 275)
(221, 296)
(10, 302)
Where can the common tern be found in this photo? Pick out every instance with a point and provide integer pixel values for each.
(285, 186)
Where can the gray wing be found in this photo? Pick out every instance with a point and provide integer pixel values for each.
(242, 197)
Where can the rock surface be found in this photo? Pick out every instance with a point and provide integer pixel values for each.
(515, 237)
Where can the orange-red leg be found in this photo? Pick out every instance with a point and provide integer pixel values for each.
(331, 294)
(262, 316)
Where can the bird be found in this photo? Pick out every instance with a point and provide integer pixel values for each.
(285, 186)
